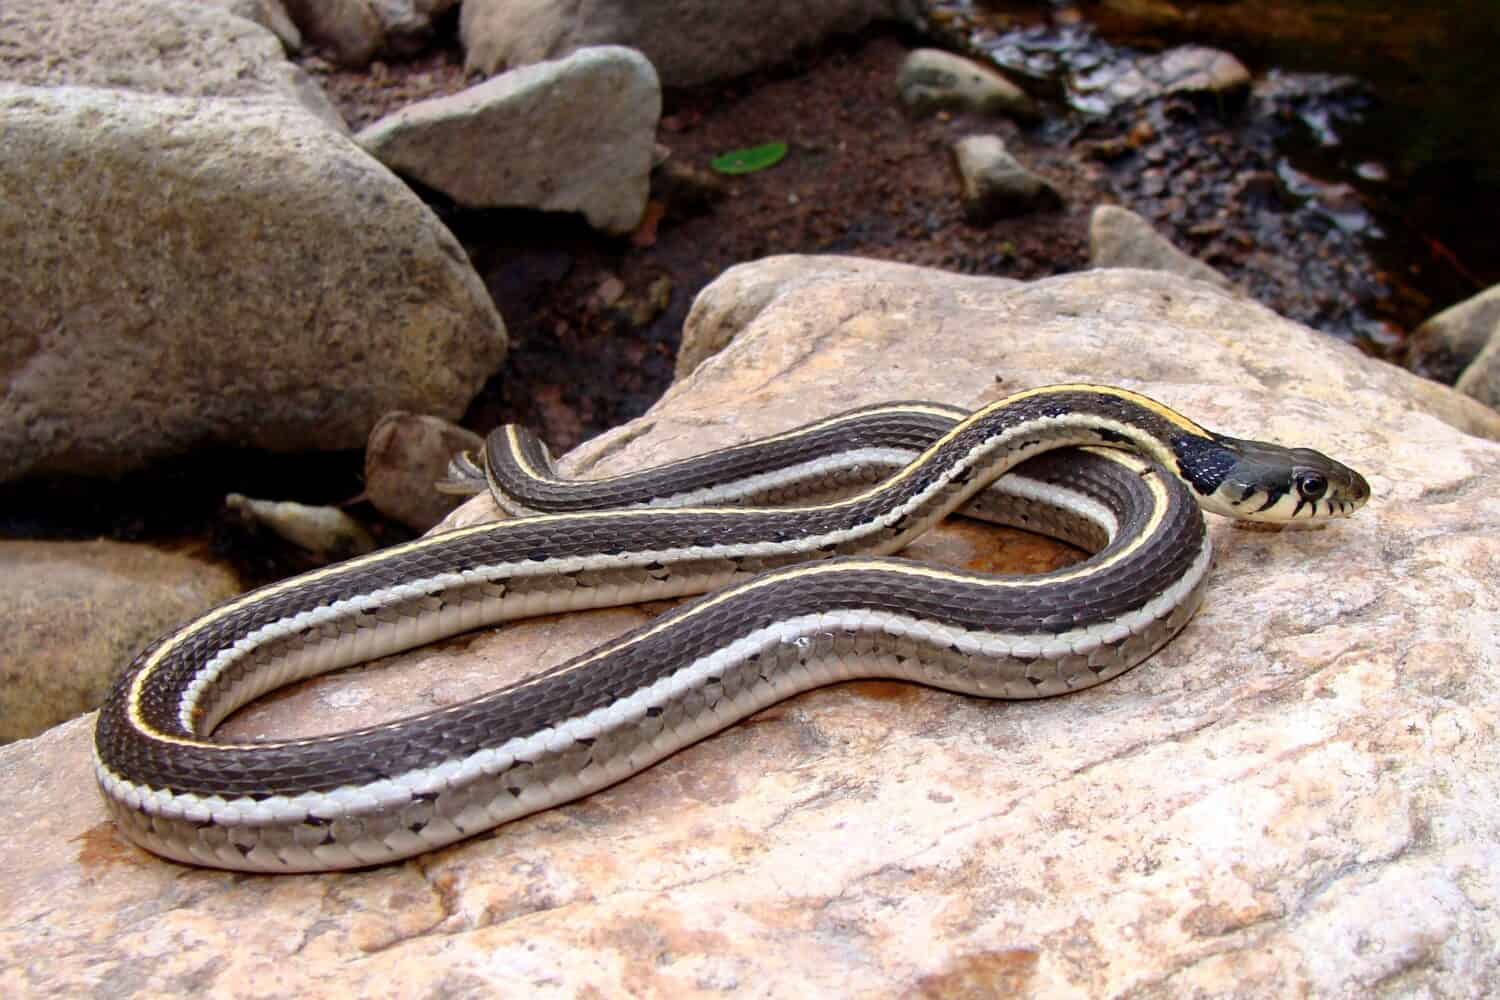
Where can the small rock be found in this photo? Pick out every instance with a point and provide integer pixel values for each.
(357, 31)
(1120, 238)
(687, 191)
(1481, 379)
(77, 612)
(575, 135)
(995, 185)
(407, 454)
(325, 533)
(1197, 69)
(1449, 342)
(932, 79)
(269, 14)
(348, 30)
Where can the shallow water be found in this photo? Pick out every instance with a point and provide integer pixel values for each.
(1386, 118)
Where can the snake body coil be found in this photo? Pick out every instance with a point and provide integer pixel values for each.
(776, 624)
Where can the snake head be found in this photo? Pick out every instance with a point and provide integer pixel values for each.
(1269, 482)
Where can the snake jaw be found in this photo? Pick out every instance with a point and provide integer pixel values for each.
(1272, 483)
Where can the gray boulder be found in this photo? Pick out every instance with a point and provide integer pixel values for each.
(190, 273)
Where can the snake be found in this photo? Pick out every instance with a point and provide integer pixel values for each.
(788, 542)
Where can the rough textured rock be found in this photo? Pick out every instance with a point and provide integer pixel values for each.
(167, 47)
(571, 135)
(994, 183)
(932, 80)
(1295, 797)
(689, 42)
(1444, 346)
(189, 273)
(354, 32)
(406, 455)
(76, 612)
(1120, 238)
(1481, 379)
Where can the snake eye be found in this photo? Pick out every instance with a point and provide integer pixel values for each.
(1312, 485)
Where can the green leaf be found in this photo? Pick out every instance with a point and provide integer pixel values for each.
(748, 161)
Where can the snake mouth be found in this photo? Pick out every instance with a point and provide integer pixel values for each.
(1276, 484)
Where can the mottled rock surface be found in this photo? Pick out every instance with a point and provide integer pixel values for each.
(167, 47)
(75, 612)
(690, 42)
(407, 453)
(197, 272)
(932, 80)
(569, 135)
(1119, 237)
(1295, 797)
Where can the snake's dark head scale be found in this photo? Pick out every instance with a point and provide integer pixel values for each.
(1268, 482)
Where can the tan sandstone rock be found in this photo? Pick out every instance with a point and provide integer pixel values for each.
(1296, 797)
(189, 273)
(74, 612)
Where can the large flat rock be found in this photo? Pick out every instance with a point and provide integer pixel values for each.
(193, 272)
(1296, 797)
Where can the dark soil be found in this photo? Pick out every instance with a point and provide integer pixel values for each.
(594, 322)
